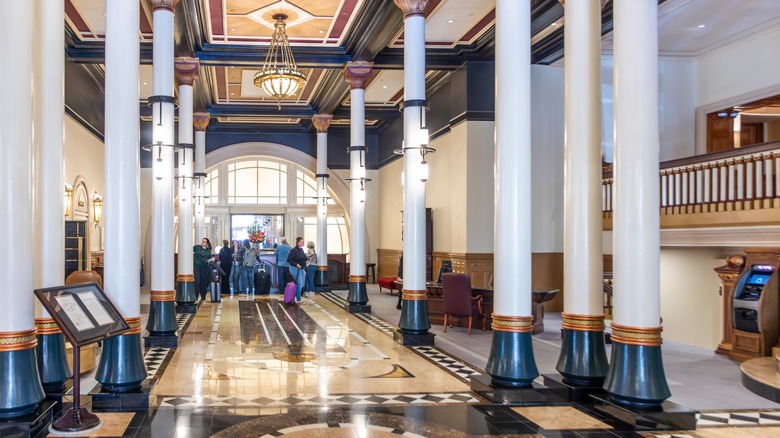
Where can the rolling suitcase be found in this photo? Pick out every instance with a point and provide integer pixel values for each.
(215, 285)
(262, 283)
(289, 293)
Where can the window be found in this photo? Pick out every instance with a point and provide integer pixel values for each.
(257, 182)
(338, 234)
(306, 190)
(211, 187)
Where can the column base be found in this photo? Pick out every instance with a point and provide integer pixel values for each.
(667, 416)
(501, 395)
(321, 280)
(31, 424)
(52, 358)
(161, 341)
(413, 339)
(511, 362)
(322, 289)
(162, 319)
(188, 308)
(636, 376)
(135, 400)
(125, 350)
(572, 393)
(357, 308)
(20, 381)
(357, 293)
(583, 357)
(185, 293)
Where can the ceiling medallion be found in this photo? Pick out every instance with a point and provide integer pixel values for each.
(280, 77)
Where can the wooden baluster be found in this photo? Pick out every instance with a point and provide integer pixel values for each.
(691, 189)
(715, 186)
(768, 172)
(699, 175)
(677, 197)
(707, 170)
(758, 181)
(683, 190)
(731, 186)
(664, 183)
(776, 176)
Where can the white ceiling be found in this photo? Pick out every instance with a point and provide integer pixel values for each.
(723, 21)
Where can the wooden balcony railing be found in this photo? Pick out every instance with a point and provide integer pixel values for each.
(737, 180)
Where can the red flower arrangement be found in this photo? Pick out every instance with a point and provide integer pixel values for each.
(256, 234)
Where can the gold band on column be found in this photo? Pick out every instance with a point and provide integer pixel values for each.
(17, 341)
(163, 295)
(357, 278)
(645, 336)
(135, 325)
(583, 323)
(414, 294)
(47, 326)
(185, 278)
(322, 268)
(168, 5)
(513, 324)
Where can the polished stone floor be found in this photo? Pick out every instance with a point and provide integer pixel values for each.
(258, 368)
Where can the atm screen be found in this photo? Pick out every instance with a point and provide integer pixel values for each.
(758, 279)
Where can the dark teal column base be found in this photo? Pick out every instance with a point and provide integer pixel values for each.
(185, 293)
(20, 383)
(52, 359)
(357, 308)
(320, 279)
(34, 424)
(667, 416)
(636, 377)
(121, 367)
(413, 339)
(357, 293)
(414, 317)
(132, 400)
(583, 358)
(501, 395)
(162, 319)
(511, 362)
(558, 385)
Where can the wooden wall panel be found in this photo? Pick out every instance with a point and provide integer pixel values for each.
(547, 268)
(387, 262)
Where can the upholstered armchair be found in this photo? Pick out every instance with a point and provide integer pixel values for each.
(458, 300)
(84, 277)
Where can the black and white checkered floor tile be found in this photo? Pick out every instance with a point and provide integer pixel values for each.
(181, 320)
(317, 400)
(153, 359)
(740, 418)
(445, 360)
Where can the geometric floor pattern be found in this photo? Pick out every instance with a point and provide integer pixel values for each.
(368, 318)
(450, 363)
(153, 359)
(738, 418)
(319, 400)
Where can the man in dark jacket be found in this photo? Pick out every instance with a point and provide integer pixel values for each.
(297, 262)
(226, 264)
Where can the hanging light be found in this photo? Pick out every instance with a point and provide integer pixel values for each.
(280, 77)
(157, 166)
(97, 204)
(68, 197)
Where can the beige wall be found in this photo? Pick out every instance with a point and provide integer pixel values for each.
(84, 157)
(772, 132)
(390, 205)
(690, 303)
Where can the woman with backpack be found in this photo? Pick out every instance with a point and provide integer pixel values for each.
(248, 268)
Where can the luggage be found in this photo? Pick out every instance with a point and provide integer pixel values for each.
(215, 292)
(262, 283)
(289, 293)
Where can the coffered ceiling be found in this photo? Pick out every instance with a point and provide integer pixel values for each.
(231, 37)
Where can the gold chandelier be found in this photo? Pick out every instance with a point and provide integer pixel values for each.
(280, 77)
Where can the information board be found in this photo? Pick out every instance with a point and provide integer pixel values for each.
(83, 312)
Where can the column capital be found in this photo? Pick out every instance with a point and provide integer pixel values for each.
(164, 4)
(356, 73)
(322, 122)
(201, 121)
(186, 69)
(412, 8)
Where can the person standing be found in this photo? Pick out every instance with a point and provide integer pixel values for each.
(311, 267)
(267, 244)
(226, 264)
(282, 267)
(200, 257)
(248, 268)
(297, 261)
(235, 273)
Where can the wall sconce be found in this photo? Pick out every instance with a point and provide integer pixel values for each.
(362, 192)
(157, 145)
(68, 197)
(421, 142)
(97, 204)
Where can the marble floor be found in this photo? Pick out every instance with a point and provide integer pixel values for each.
(259, 368)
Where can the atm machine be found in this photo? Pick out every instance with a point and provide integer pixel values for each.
(756, 304)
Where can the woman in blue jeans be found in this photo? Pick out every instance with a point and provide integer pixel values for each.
(297, 262)
(311, 266)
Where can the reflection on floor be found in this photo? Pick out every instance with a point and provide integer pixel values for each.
(256, 367)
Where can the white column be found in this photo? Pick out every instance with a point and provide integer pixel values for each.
(322, 123)
(582, 267)
(414, 187)
(357, 174)
(49, 144)
(636, 301)
(186, 72)
(512, 281)
(201, 122)
(16, 165)
(162, 157)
